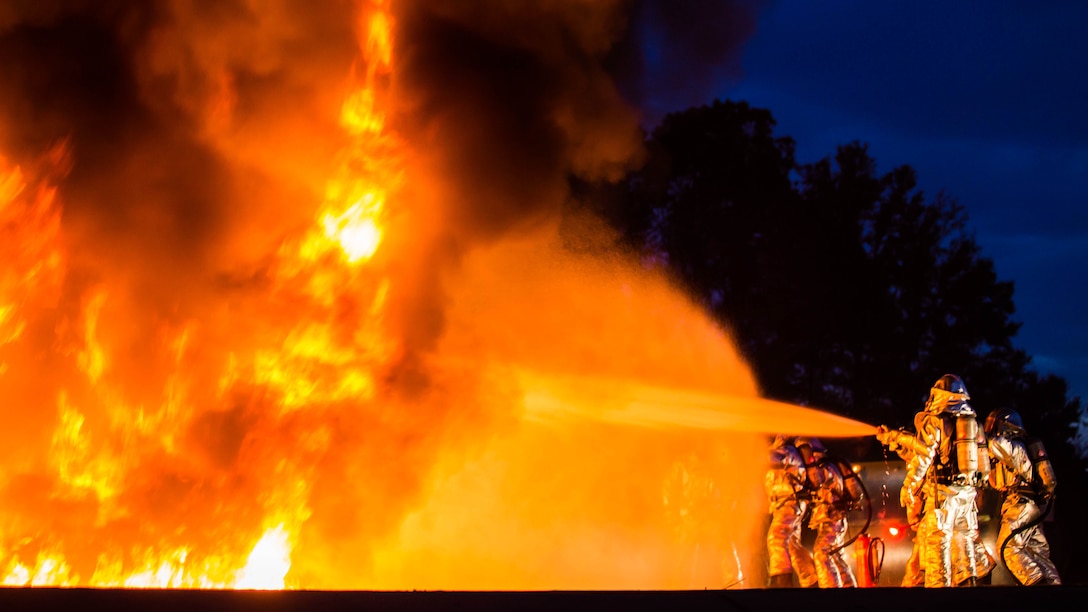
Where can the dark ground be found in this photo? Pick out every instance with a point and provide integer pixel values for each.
(885, 599)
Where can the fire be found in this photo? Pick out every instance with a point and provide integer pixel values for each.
(29, 228)
(48, 572)
(92, 359)
(104, 438)
(245, 365)
(269, 562)
(355, 198)
(356, 229)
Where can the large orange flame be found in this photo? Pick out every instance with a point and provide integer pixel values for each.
(358, 401)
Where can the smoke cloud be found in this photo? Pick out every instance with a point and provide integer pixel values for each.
(183, 370)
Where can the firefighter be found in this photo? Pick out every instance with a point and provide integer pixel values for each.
(902, 443)
(788, 502)
(829, 516)
(943, 476)
(695, 500)
(965, 548)
(1023, 546)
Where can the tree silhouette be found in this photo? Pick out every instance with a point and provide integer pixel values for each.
(844, 289)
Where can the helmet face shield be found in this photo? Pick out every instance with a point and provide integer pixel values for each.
(1004, 421)
(948, 394)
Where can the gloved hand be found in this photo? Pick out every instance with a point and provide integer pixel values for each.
(886, 436)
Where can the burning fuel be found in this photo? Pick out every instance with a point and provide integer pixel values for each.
(297, 299)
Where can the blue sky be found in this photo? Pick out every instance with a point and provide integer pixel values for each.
(988, 101)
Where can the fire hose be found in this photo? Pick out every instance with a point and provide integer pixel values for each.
(1021, 529)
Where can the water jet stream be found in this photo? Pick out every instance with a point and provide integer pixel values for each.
(629, 402)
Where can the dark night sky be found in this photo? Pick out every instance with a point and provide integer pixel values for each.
(986, 100)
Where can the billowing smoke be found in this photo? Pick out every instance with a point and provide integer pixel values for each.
(190, 360)
(504, 102)
(179, 114)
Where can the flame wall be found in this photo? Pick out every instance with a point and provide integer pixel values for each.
(286, 293)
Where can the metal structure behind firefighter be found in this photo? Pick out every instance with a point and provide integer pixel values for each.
(943, 479)
(785, 484)
(830, 505)
(1022, 474)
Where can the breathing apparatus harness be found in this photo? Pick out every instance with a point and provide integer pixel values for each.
(849, 474)
(801, 490)
(869, 552)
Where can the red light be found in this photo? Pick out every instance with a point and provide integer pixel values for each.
(893, 531)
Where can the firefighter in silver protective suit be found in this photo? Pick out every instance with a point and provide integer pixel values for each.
(788, 501)
(902, 443)
(906, 445)
(944, 473)
(1022, 544)
(829, 516)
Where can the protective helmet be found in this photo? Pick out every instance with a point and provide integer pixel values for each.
(779, 441)
(809, 447)
(948, 394)
(1004, 421)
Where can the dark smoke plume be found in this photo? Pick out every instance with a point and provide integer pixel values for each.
(137, 89)
(508, 100)
(198, 137)
(167, 106)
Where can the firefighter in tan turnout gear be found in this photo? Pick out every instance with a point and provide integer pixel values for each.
(1025, 479)
(785, 486)
(945, 473)
(830, 504)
